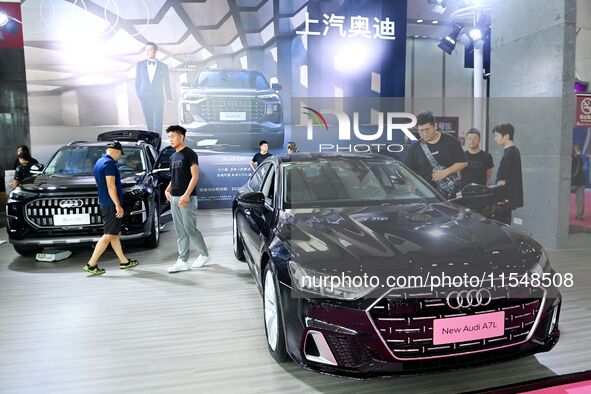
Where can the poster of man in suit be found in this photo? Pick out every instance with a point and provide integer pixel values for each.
(152, 86)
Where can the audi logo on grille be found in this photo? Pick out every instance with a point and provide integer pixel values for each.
(71, 203)
(468, 298)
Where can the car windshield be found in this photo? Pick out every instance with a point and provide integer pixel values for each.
(80, 160)
(236, 79)
(348, 181)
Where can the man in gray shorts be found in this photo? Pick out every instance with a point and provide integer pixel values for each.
(182, 194)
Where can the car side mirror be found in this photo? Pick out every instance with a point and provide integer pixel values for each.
(276, 86)
(252, 200)
(36, 169)
(161, 167)
(474, 190)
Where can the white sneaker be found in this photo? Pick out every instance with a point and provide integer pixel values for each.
(180, 265)
(201, 261)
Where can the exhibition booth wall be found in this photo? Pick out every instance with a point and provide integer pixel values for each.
(81, 72)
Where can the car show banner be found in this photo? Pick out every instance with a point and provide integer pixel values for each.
(232, 73)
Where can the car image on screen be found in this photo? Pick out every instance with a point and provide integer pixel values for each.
(232, 106)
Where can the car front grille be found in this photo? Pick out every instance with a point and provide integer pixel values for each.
(40, 213)
(404, 319)
(210, 108)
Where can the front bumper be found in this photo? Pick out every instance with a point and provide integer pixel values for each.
(23, 231)
(71, 240)
(346, 341)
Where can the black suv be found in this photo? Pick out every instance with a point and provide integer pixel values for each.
(232, 106)
(58, 207)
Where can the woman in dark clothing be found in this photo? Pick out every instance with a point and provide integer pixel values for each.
(20, 149)
(23, 170)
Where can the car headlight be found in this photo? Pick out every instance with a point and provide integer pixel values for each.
(18, 194)
(271, 96)
(325, 285)
(543, 265)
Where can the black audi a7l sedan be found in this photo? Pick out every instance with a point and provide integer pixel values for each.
(306, 222)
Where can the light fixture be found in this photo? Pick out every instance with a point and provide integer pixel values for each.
(476, 34)
(3, 19)
(419, 21)
(435, 22)
(448, 43)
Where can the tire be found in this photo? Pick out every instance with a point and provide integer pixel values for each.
(237, 241)
(273, 316)
(154, 239)
(26, 250)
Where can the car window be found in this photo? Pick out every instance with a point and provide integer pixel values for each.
(268, 188)
(80, 160)
(236, 79)
(344, 181)
(257, 178)
(163, 160)
(151, 153)
(261, 83)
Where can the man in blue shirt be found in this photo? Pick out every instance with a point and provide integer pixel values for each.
(110, 194)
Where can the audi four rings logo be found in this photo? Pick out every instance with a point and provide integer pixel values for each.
(468, 298)
(71, 203)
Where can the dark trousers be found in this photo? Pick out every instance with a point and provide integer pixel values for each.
(153, 112)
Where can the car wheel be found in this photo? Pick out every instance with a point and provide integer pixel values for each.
(237, 241)
(273, 316)
(26, 250)
(154, 239)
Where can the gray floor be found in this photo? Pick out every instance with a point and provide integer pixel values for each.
(144, 330)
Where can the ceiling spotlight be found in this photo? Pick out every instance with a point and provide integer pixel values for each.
(435, 22)
(448, 43)
(439, 6)
(419, 21)
(475, 34)
(3, 19)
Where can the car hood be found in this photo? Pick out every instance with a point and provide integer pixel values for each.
(412, 239)
(44, 183)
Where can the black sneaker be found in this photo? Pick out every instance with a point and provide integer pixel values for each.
(94, 270)
(130, 263)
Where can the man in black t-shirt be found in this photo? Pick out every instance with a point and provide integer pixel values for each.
(261, 156)
(445, 149)
(182, 194)
(480, 163)
(509, 173)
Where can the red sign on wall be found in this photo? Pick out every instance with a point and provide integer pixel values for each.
(11, 28)
(583, 110)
